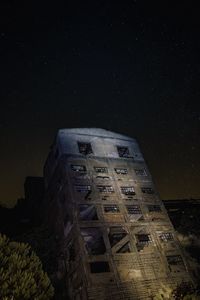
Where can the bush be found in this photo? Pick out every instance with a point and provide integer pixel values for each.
(21, 274)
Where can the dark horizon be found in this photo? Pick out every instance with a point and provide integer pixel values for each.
(131, 68)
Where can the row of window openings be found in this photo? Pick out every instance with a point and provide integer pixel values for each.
(103, 266)
(109, 189)
(86, 149)
(118, 239)
(122, 171)
(87, 212)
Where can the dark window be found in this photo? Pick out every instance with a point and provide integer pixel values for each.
(78, 168)
(123, 151)
(101, 169)
(122, 171)
(133, 209)
(147, 190)
(85, 148)
(103, 177)
(175, 260)
(154, 208)
(116, 234)
(140, 172)
(111, 208)
(99, 267)
(93, 239)
(130, 198)
(83, 188)
(166, 236)
(143, 238)
(105, 188)
(118, 241)
(128, 190)
(87, 212)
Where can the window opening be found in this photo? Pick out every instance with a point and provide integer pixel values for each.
(143, 241)
(103, 177)
(116, 236)
(175, 260)
(166, 236)
(85, 148)
(93, 240)
(99, 267)
(78, 168)
(111, 208)
(123, 151)
(105, 188)
(87, 212)
(101, 169)
(121, 171)
(128, 190)
(143, 238)
(147, 190)
(154, 208)
(83, 188)
(133, 209)
(140, 172)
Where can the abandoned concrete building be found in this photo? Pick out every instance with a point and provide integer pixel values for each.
(103, 207)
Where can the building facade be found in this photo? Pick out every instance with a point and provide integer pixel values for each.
(113, 229)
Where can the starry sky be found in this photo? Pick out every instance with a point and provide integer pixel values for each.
(128, 66)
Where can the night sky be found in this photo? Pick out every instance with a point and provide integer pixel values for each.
(128, 66)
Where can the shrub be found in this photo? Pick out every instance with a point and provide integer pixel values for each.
(21, 273)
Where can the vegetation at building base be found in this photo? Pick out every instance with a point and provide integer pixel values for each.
(184, 291)
(21, 273)
(48, 248)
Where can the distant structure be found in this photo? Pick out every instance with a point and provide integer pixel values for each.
(116, 239)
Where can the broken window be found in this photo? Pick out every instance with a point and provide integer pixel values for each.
(123, 151)
(133, 209)
(105, 188)
(111, 208)
(83, 188)
(85, 148)
(93, 240)
(78, 168)
(166, 236)
(134, 213)
(121, 171)
(101, 169)
(99, 267)
(140, 172)
(128, 190)
(143, 238)
(175, 260)
(119, 240)
(143, 241)
(154, 208)
(147, 190)
(87, 212)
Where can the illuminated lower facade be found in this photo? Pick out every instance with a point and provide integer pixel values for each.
(114, 231)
